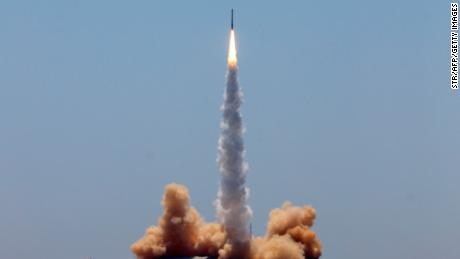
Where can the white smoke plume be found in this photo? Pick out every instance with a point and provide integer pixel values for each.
(232, 207)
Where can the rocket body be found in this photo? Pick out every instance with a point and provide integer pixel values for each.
(231, 26)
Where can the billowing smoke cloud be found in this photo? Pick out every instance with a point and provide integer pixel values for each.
(181, 231)
(295, 222)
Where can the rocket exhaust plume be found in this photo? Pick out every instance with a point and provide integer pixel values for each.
(231, 59)
(232, 209)
(181, 231)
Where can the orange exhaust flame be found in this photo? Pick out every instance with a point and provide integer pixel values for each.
(231, 60)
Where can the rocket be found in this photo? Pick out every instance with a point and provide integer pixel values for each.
(231, 26)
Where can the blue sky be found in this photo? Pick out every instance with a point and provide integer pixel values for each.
(347, 106)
